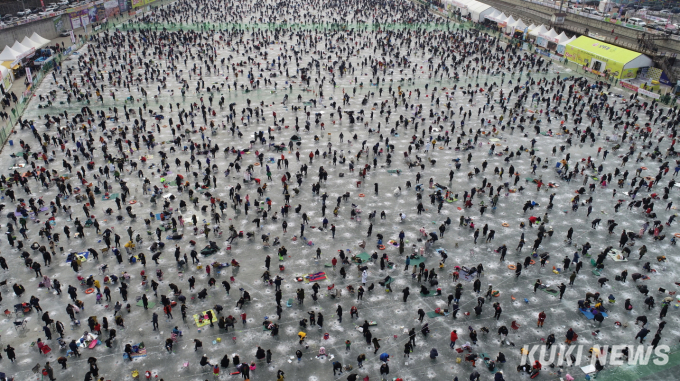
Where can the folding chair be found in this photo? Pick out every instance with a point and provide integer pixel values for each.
(19, 323)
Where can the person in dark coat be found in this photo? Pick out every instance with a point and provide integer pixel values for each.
(11, 355)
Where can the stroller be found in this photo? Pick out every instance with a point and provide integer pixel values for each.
(62, 343)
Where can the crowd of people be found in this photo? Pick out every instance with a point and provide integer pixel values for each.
(268, 115)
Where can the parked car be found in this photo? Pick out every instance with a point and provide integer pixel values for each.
(63, 2)
(637, 21)
(65, 33)
(25, 12)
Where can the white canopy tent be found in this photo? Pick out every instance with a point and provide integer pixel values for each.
(462, 5)
(562, 38)
(6, 78)
(479, 11)
(568, 41)
(537, 31)
(8, 54)
(27, 42)
(510, 21)
(517, 25)
(500, 18)
(493, 15)
(550, 35)
(21, 49)
(543, 38)
(562, 45)
(37, 38)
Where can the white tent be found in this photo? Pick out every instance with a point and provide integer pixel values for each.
(469, 4)
(543, 38)
(517, 25)
(462, 5)
(562, 45)
(531, 27)
(27, 42)
(502, 18)
(479, 11)
(493, 15)
(6, 78)
(550, 35)
(36, 37)
(538, 31)
(8, 54)
(569, 40)
(21, 49)
(510, 21)
(562, 38)
(38, 43)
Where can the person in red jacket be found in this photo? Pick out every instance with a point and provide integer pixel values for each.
(541, 318)
(454, 337)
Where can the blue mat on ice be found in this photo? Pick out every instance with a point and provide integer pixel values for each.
(589, 315)
(85, 254)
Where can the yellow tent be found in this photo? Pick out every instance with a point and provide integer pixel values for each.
(599, 57)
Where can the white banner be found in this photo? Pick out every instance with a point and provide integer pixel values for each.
(649, 93)
(29, 76)
(73, 37)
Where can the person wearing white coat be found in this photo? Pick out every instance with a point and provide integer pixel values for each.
(364, 275)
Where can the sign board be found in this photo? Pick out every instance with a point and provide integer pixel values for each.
(629, 86)
(29, 75)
